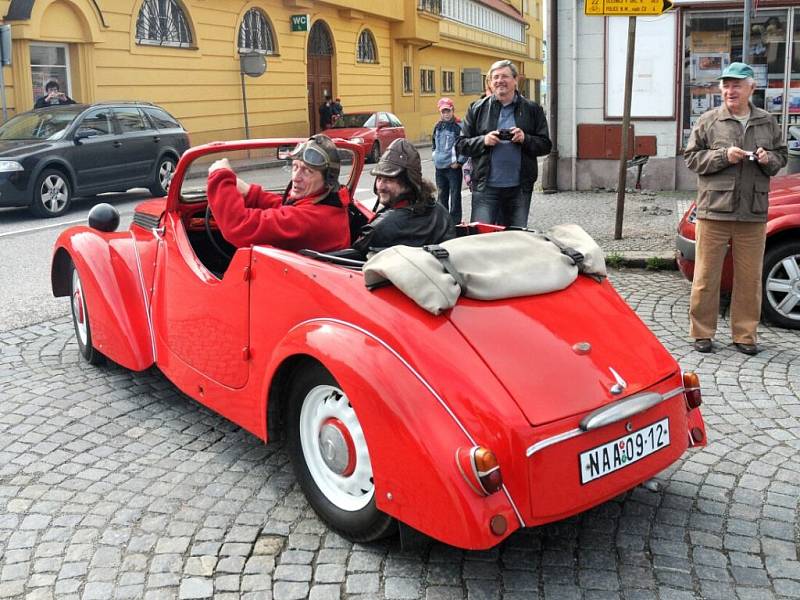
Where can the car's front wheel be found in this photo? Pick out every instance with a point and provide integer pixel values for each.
(164, 172)
(80, 321)
(781, 303)
(330, 456)
(51, 194)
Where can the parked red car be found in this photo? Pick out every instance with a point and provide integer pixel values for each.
(466, 426)
(373, 131)
(781, 276)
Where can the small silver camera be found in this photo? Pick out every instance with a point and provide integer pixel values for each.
(751, 156)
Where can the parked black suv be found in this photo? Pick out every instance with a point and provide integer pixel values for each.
(50, 155)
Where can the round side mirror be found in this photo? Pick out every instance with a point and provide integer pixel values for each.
(104, 217)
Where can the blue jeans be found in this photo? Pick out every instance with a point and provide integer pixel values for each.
(448, 181)
(502, 206)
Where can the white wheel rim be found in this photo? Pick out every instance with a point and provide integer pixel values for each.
(54, 193)
(783, 287)
(349, 493)
(165, 173)
(79, 309)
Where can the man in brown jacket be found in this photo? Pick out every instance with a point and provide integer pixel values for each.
(734, 149)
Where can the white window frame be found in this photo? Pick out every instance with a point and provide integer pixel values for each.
(68, 91)
(145, 41)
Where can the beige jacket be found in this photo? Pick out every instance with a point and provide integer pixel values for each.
(734, 192)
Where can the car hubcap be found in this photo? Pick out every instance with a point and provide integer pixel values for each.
(54, 193)
(783, 287)
(334, 448)
(165, 174)
(78, 308)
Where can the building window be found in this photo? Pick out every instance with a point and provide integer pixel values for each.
(319, 40)
(447, 82)
(713, 40)
(162, 23)
(255, 33)
(427, 81)
(471, 81)
(367, 51)
(431, 6)
(49, 62)
(407, 81)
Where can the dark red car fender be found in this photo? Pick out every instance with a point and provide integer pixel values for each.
(112, 285)
(782, 223)
(411, 435)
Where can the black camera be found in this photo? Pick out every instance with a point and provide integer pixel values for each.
(505, 134)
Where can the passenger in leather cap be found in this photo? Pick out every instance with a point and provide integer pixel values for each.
(407, 211)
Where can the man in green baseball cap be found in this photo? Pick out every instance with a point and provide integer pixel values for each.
(734, 149)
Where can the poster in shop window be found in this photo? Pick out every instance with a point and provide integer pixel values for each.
(654, 67)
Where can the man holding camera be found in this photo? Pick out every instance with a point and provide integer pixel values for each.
(53, 96)
(734, 149)
(503, 133)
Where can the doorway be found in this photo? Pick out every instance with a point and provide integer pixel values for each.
(320, 71)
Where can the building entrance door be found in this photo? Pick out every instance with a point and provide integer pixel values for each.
(320, 72)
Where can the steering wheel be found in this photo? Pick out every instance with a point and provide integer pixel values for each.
(210, 234)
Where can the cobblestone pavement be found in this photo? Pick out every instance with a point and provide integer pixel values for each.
(115, 485)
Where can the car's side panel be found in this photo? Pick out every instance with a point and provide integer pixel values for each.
(112, 285)
(782, 223)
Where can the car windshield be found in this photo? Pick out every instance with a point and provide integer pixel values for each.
(354, 120)
(38, 125)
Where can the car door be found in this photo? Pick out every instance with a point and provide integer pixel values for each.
(95, 152)
(385, 131)
(201, 321)
(398, 131)
(139, 143)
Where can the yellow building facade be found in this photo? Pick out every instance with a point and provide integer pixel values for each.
(400, 56)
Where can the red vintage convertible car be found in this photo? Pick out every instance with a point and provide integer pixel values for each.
(780, 279)
(466, 426)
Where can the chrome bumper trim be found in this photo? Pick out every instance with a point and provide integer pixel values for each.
(685, 247)
(611, 413)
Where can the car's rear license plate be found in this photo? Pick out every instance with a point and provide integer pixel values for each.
(624, 451)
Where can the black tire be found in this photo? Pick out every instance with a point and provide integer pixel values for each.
(52, 194)
(781, 285)
(329, 490)
(374, 153)
(80, 321)
(165, 169)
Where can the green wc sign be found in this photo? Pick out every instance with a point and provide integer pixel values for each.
(299, 22)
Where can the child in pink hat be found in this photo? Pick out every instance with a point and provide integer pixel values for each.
(447, 162)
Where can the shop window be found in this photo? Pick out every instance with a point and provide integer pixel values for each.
(427, 81)
(256, 34)
(49, 62)
(367, 51)
(713, 40)
(447, 82)
(163, 23)
(407, 80)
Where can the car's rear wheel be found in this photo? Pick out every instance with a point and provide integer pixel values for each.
(330, 456)
(374, 153)
(51, 194)
(80, 321)
(164, 171)
(781, 303)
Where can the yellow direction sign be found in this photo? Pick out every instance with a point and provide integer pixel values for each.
(625, 8)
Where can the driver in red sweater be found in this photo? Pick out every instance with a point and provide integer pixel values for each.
(311, 213)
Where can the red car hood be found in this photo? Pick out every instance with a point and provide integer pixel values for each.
(784, 190)
(348, 132)
(528, 344)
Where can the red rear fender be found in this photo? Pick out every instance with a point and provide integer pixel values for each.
(110, 275)
(411, 435)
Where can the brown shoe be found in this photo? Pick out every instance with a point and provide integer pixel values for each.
(750, 349)
(703, 345)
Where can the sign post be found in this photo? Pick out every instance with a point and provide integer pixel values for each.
(5, 60)
(630, 9)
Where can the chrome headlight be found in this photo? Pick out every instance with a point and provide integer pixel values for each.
(8, 166)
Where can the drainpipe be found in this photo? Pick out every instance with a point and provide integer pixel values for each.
(550, 183)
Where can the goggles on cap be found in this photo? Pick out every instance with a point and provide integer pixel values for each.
(311, 154)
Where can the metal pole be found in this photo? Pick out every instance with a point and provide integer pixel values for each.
(746, 33)
(626, 121)
(3, 91)
(244, 101)
(550, 183)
